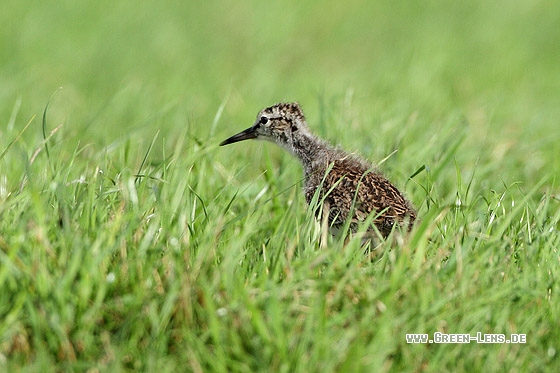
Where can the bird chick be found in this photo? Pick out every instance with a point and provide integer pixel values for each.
(347, 186)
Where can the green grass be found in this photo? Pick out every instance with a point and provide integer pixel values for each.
(129, 241)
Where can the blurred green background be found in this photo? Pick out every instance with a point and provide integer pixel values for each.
(142, 66)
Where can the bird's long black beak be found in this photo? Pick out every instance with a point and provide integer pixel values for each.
(249, 133)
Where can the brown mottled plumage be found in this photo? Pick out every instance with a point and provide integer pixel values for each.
(347, 184)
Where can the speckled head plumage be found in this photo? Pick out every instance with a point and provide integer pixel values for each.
(281, 123)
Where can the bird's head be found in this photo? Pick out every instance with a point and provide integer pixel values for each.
(280, 123)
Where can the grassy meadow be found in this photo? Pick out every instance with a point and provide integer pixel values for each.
(130, 241)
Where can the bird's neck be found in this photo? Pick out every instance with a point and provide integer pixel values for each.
(313, 153)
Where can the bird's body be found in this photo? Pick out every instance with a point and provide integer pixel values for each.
(344, 185)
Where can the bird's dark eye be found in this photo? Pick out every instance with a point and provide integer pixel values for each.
(263, 120)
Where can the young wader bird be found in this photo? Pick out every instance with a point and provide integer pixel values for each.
(348, 186)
